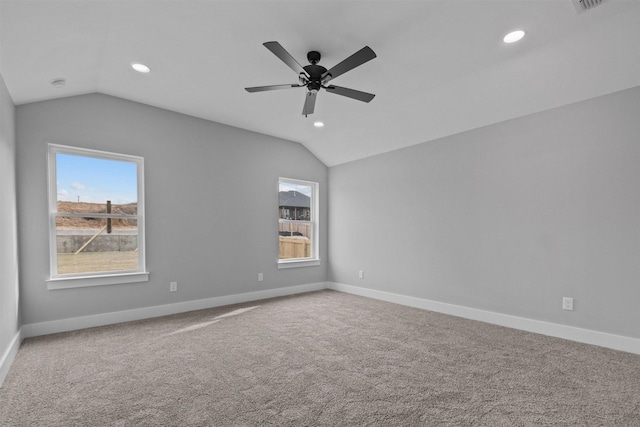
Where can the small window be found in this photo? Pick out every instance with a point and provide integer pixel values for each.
(96, 210)
(297, 223)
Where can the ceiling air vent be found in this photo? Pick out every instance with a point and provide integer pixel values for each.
(584, 5)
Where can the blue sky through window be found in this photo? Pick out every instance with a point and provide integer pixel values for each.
(95, 180)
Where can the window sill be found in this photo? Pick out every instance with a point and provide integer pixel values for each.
(295, 263)
(88, 281)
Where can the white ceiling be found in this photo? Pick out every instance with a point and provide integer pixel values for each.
(441, 67)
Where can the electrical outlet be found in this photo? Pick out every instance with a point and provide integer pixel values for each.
(360, 274)
(173, 286)
(567, 303)
(260, 277)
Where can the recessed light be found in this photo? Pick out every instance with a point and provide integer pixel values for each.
(58, 83)
(318, 124)
(141, 68)
(513, 36)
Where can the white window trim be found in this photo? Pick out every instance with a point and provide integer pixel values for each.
(314, 259)
(297, 262)
(67, 281)
(97, 280)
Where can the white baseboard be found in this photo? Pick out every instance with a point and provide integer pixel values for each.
(9, 355)
(75, 323)
(602, 339)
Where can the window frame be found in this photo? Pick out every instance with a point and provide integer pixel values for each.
(86, 279)
(314, 259)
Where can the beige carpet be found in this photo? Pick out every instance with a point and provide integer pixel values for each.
(323, 358)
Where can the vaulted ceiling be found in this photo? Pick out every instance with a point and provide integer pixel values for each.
(441, 66)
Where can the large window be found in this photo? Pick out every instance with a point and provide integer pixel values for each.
(96, 217)
(297, 223)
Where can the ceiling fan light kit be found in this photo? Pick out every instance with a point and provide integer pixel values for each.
(315, 77)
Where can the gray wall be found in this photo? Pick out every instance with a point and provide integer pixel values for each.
(507, 218)
(9, 313)
(211, 204)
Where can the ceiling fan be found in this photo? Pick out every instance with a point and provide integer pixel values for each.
(315, 77)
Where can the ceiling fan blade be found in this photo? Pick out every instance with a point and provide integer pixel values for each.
(272, 87)
(309, 103)
(350, 93)
(360, 57)
(285, 56)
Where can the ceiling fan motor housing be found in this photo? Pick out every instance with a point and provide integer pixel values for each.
(314, 71)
